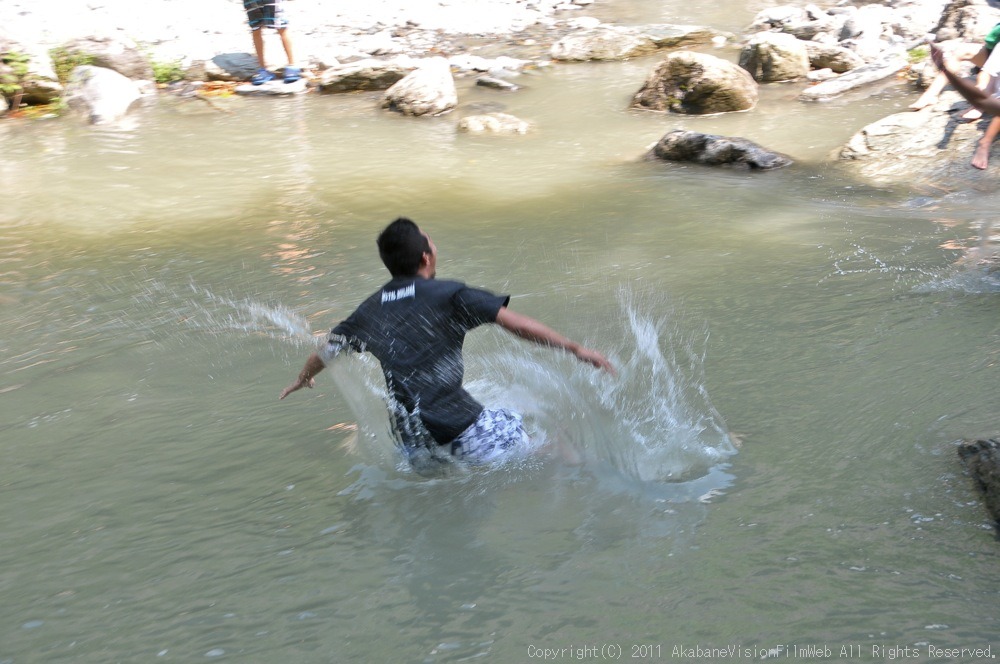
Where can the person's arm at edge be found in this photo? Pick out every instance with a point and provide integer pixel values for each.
(530, 329)
(314, 364)
(975, 96)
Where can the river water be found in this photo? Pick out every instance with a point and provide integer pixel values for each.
(774, 468)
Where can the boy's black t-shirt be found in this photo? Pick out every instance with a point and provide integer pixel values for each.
(415, 327)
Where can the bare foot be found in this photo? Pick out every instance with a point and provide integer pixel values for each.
(972, 114)
(921, 103)
(981, 157)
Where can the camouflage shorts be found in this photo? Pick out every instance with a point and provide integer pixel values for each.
(496, 434)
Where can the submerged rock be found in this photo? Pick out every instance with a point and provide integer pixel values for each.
(711, 150)
(982, 459)
(494, 123)
(497, 84)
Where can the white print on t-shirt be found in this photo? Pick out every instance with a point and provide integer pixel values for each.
(399, 294)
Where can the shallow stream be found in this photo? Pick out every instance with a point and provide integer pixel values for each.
(774, 468)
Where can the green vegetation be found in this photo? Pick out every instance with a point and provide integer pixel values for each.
(13, 69)
(65, 61)
(918, 54)
(167, 72)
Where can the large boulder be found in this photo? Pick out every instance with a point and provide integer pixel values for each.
(121, 56)
(982, 460)
(913, 21)
(967, 19)
(712, 150)
(925, 151)
(775, 56)
(832, 57)
(696, 83)
(428, 90)
(102, 94)
(370, 74)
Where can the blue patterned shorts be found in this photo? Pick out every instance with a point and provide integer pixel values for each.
(495, 434)
(265, 13)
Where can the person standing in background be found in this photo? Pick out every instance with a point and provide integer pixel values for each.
(271, 14)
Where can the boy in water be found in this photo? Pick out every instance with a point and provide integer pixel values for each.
(415, 326)
(271, 14)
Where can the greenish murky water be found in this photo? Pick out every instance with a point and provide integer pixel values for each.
(774, 468)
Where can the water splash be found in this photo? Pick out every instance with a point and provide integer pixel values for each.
(652, 430)
(865, 261)
(976, 272)
(206, 311)
(971, 280)
(652, 427)
(660, 404)
(976, 269)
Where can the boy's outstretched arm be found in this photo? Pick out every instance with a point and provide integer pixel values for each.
(334, 345)
(307, 376)
(532, 330)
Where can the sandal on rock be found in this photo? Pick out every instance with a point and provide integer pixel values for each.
(261, 77)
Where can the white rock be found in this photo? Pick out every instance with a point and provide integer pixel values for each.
(429, 90)
(104, 95)
(496, 123)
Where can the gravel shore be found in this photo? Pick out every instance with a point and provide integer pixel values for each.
(323, 32)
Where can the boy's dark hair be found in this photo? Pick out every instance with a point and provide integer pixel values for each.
(401, 245)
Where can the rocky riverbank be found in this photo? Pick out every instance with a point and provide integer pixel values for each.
(374, 45)
(841, 47)
(101, 56)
